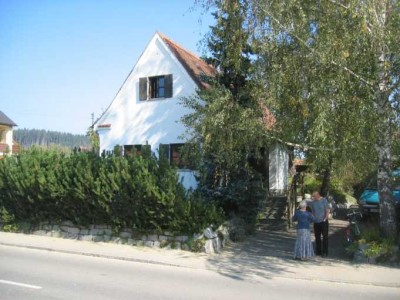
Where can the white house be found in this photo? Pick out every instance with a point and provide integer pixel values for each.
(6, 135)
(146, 110)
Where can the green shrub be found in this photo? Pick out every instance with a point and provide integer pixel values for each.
(374, 249)
(5, 216)
(371, 235)
(352, 248)
(241, 197)
(380, 249)
(138, 192)
(10, 227)
(197, 245)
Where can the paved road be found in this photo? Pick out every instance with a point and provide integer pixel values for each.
(37, 274)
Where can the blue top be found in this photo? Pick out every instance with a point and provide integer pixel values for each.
(319, 207)
(303, 218)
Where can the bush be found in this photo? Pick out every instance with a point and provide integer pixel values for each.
(197, 245)
(371, 235)
(380, 249)
(138, 192)
(240, 198)
(5, 217)
(352, 248)
(373, 245)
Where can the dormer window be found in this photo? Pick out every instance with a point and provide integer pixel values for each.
(155, 87)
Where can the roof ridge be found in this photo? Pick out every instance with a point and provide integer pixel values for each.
(163, 36)
(194, 65)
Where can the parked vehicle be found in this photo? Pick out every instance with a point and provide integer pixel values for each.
(369, 199)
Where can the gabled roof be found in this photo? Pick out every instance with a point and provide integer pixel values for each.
(4, 120)
(194, 65)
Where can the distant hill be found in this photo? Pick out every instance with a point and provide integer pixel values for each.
(46, 138)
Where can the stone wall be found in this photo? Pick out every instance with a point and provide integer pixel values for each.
(209, 241)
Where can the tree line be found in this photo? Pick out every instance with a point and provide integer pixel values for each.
(45, 138)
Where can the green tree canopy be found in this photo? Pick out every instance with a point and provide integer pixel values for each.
(332, 68)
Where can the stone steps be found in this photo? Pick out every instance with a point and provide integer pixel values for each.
(274, 214)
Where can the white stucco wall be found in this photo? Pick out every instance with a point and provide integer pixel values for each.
(9, 138)
(155, 121)
(278, 169)
(188, 179)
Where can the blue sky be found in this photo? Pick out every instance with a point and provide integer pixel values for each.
(62, 60)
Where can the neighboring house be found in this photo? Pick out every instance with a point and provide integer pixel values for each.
(7, 145)
(147, 110)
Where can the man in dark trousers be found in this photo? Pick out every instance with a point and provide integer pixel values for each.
(320, 209)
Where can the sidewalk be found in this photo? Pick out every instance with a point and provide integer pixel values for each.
(244, 261)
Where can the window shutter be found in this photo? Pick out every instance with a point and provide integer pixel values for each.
(143, 88)
(168, 86)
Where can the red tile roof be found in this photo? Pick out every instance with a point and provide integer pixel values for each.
(194, 65)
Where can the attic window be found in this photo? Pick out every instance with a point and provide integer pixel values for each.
(155, 87)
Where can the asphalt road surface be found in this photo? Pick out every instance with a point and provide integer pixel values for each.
(37, 274)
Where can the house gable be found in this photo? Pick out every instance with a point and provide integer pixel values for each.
(134, 116)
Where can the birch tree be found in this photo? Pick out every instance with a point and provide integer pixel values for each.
(331, 73)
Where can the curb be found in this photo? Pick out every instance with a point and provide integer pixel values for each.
(352, 282)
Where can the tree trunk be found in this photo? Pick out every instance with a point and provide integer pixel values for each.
(326, 180)
(388, 220)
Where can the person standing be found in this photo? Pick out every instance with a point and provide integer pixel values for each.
(320, 209)
(303, 248)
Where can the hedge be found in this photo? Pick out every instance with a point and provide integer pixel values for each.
(138, 192)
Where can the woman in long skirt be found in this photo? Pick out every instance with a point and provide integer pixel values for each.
(303, 248)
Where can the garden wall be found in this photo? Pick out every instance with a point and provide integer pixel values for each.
(208, 242)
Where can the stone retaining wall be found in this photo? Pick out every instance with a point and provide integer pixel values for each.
(208, 242)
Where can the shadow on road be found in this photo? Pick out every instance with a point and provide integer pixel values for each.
(269, 253)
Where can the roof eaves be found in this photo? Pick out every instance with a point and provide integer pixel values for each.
(4, 120)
